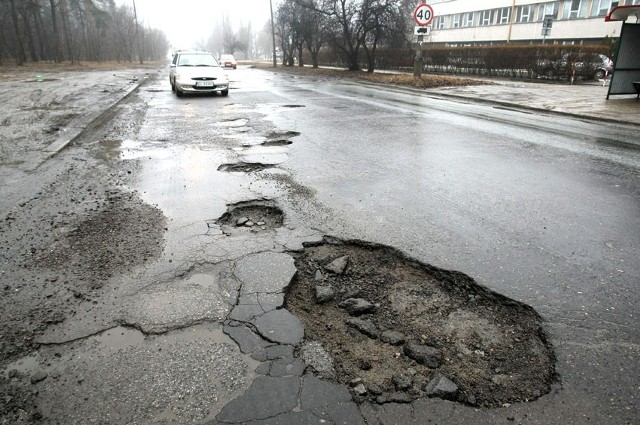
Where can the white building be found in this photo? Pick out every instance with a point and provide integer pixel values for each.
(467, 22)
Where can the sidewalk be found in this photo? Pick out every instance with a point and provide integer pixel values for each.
(587, 100)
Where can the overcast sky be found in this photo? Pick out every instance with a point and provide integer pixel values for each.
(186, 22)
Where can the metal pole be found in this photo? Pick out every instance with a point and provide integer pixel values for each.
(418, 61)
(273, 35)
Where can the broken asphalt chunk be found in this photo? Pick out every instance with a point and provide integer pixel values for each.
(280, 326)
(323, 294)
(265, 398)
(357, 306)
(338, 266)
(424, 354)
(442, 387)
(364, 326)
(393, 337)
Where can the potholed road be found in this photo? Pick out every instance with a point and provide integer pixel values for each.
(539, 207)
(542, 208)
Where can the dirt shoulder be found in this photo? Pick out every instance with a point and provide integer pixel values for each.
(398, 79)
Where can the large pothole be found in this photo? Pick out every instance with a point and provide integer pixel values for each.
(254, 216)
(398, 330)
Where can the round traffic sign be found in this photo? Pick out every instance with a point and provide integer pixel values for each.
(423, 15)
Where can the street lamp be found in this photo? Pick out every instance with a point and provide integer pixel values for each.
(273, 34)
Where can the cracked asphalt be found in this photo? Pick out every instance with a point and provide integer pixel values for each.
(126, 300)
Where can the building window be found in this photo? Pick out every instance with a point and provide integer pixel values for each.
(548, 9)
(600, 7)
(467, 19)
(439, 22)
(631, 2)
(525, 13)
(456, 21)
(504, 15)
(486, 18)
(575, 9)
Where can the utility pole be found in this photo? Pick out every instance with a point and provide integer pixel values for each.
(135, 17)
(511, 19)
(273, 35)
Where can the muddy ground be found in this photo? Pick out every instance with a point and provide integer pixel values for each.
(77, 225)
(492, 348)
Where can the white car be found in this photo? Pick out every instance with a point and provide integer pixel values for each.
(197, 72)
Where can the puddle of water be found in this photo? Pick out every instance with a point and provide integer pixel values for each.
(246, 140)
(270, 155)
(119, 338)
(184, 181)
(133, 149)
(270, 159)
(241, 122)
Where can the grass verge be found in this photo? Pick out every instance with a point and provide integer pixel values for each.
(426, 81)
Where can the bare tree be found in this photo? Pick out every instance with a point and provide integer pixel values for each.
(382, 22)
(288, 29)
(56, 30)
(315, 28)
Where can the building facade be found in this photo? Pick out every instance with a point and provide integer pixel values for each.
(472, 22)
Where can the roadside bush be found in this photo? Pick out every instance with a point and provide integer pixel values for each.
(522, 61)
(513, 61)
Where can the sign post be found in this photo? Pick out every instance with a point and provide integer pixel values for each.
(422, 15)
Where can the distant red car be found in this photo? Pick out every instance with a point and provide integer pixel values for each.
(228, 61)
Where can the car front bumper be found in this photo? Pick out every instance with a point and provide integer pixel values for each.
(190, 87)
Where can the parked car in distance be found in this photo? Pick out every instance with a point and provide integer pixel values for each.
(197, 72)
(605, 69)
(590, 67)
(228, 61)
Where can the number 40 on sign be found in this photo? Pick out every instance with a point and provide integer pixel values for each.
(423, 14)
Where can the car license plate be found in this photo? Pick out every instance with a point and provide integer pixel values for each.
(204, 83)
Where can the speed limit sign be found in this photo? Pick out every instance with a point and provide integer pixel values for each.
(423, 15)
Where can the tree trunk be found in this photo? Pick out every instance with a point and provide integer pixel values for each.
(56, 34)
(30, 41)
(20, 55)
(37, 19)
(300, 52)
(64, 12)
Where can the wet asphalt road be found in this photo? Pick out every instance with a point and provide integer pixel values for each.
(539, 207)
(542, 208)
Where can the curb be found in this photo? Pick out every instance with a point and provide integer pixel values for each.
(476, 99)
(79, 127)
(530, 108)
(511, 105)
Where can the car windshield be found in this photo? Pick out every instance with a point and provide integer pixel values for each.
(226, 57)
(197, 60)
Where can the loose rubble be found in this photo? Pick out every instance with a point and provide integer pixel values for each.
(396, 330)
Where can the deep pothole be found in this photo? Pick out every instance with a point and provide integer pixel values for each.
(253, 216)
(398, 330)
(275, 135)
(279, 142)
(244, 167)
